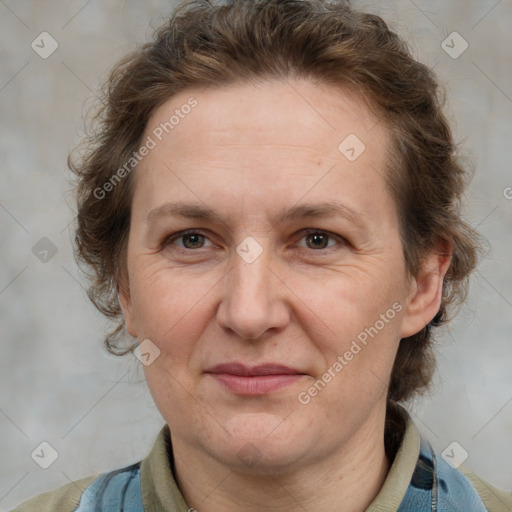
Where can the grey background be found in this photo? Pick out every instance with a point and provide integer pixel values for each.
(57, 382)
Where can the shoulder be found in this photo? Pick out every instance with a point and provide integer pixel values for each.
(495, 500)
(66, 498)
(113, 491)
(461, 489)
(435, 484)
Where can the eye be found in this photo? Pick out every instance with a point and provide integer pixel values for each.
(316, 239)
(190, 239)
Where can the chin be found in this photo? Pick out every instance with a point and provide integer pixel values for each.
(261, 457)
(262, 443)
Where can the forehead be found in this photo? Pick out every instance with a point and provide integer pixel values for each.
(312, 115)
(270, 138)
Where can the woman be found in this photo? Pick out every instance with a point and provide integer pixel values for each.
(269, 207)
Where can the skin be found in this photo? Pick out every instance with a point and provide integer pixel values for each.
(247, 151)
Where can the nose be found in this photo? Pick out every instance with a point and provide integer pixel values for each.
(254, 298)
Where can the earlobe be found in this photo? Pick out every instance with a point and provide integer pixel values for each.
(426, 291)
(125, 301)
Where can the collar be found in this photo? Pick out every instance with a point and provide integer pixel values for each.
(395, 486)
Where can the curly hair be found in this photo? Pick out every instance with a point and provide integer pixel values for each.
(208, 43)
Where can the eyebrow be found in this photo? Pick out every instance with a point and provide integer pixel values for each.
(297, 212)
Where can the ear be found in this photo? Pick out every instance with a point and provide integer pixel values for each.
(426, 289)
(125, 300)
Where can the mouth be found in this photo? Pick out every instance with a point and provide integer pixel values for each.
(255, 380)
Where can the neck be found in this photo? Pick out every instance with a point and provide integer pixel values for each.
(352, 474)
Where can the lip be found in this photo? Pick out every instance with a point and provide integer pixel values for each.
(254, 380)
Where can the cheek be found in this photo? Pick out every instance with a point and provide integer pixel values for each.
(170, 306)
(171, 312)
(348, 300)
(354, 322)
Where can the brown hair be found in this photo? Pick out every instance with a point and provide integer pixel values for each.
(206, 44)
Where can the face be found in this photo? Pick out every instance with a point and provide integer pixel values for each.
(265, 264)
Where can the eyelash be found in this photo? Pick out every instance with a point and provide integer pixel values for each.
(305, 232)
